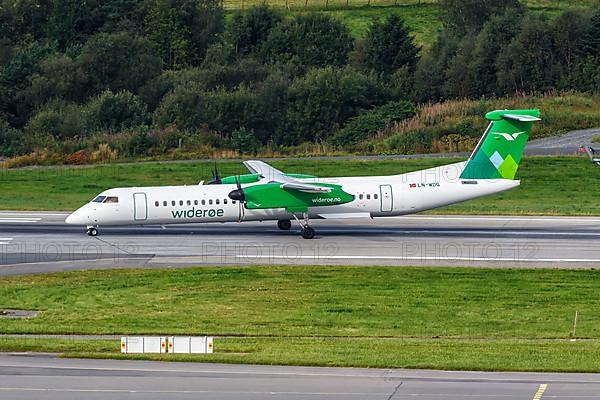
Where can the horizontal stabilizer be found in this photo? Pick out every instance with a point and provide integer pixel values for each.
(521, 118)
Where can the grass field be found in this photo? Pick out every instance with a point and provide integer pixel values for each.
(452, 318)
(422, 16)
(67, 188)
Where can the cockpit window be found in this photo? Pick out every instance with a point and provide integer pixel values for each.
(111, 199)
(99, 199)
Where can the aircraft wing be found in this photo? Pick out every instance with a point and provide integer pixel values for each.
(305, 187)
(266, 171)
(287, 182)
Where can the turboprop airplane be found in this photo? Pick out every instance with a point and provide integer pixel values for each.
(269, 194)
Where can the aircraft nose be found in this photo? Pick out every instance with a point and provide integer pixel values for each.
(77, 218)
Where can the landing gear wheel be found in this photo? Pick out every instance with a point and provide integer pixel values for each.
(284, 224)
(92, 232)
(308, 232)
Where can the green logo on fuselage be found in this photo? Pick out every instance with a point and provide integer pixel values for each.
(193, 213)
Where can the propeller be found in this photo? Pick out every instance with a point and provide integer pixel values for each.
(239, 196)
(216, 179)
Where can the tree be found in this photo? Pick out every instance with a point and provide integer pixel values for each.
(431, 69)
(323, 100)
(168, 36)
(528, 63)
(14, 78)
(114, 112)
(59, 77)
(389, 46)
(480, 61)
(118, 61)
(569, 30)
(469, 16)
(590, 42)
(249, 29)
(312, 39)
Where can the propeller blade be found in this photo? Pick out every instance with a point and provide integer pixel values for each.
(237, 194)
(216, 179)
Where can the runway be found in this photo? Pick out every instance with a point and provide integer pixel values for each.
(33, 242)
(48, 377)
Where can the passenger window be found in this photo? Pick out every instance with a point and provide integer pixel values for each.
(368, 197)
(210, 202)
(203, 202)
(224, 201)
(195, 202)
(156, 204)
(173, 203)
(217, 201)
(164, 203)
(111, 199)
(375, 196)
(360, 196)
(232, 201)
(189, 202)
(99, 199)
(180, 202)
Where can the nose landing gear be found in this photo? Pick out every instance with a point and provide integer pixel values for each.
(92, 231)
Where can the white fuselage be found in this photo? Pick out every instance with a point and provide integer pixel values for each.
(375, 196)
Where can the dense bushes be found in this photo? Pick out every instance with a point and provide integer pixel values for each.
(86, 81)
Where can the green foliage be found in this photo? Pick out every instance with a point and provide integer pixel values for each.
(167, 35)
(244, 140)
(590, 41)
(468, 16)
(311, 39)
(249, 29)
(114, 112)
(14, 77)
(528, 63)
(389, 46)
(118, 61)
(325, 98)
(139, 144)
(190, 107)
(370, 122)
(59, 120)
(11, 140)
(59, 77)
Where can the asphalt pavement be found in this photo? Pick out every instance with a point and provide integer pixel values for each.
(40, 377)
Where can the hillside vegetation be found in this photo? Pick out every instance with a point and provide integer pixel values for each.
(91, 81)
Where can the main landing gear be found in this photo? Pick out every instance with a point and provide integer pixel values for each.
(284, 224)
(92, 231)
(306, 230)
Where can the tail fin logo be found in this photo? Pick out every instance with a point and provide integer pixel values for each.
(509, 137)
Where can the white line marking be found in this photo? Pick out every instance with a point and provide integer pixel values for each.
(558, 218)
(424, 258)
(29, 220)
(11, 214)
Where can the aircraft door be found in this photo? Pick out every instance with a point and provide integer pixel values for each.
(387, 201)
(140, 207)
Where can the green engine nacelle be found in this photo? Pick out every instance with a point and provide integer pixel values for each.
(247, 178)
(271, 195)
(251, 178)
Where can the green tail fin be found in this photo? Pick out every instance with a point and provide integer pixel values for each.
(499, 151)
